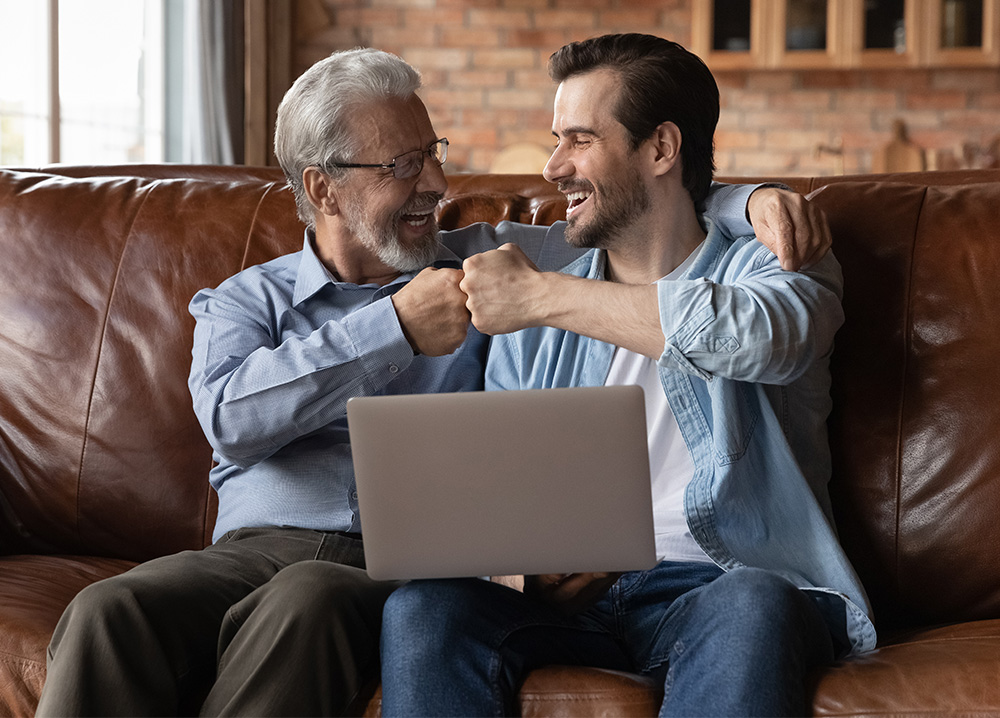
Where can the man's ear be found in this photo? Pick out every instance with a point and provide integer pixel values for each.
(321, 191)
(666, 143)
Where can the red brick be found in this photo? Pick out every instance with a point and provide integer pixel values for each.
(466, 4)
(534, 79)
(480, 159)
(923, 119)
(731, 79)
(518, 98)
(505, 18)
(774, 119)
(973, 80)
(733, 139)
(568, 19)
(435, 59)
(546, 40)
(899, 80)
(843, 120)
(772, 81)
(867, 139)
(832, 80)
(479, 117)
(433, 18)
(739, 101)
(853, 100)
(386, 36)
(434, 78)
(367, 17)
(478, 78)
(804, 100)
(943, 100)
(336, 38)
(803, 141)
(764, 162)
(471, 138)
(582, 4)
(985, 101)
(524, 4)
(505, 58)
(443, 97)
(403, 3)
(540, 137)
(630, 20)
(971, 120)
(469, 37)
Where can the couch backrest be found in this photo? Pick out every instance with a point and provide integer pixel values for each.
(916, 425)
(100, 452)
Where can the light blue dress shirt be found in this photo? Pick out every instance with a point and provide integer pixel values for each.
(745, 369)
(280, 347)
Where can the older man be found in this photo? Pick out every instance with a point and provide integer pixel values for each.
(278, 616)
(752, 590)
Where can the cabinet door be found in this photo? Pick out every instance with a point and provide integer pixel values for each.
(884, 33)
(962, 32)
(806, 34)
(729, 34)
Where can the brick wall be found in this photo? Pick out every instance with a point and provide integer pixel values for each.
(486, 87)
(773, 122)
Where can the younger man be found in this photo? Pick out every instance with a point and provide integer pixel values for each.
(753, 590)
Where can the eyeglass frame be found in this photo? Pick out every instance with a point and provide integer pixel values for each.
(394, 163)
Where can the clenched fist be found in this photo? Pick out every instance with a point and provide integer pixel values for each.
(504, 289)
(431, 310)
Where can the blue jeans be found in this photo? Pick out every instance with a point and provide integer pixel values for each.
(736, 643)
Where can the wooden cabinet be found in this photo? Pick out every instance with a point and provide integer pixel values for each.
(804, 34)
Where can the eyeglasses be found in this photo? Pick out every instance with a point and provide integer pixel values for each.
(409, 164)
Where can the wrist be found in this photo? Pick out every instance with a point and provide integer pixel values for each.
(553, 300)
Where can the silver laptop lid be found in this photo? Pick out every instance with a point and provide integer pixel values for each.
(498, 483)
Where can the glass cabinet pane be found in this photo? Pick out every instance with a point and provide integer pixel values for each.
(805, 25)
(961, 23)
(884, 25)
(731, 25)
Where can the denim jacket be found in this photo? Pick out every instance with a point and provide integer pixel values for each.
(745, 369)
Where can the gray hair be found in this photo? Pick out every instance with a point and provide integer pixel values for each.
(312, 127)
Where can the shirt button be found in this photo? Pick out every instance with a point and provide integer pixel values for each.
(393, 368)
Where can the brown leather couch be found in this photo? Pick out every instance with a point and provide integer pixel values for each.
(102, 463)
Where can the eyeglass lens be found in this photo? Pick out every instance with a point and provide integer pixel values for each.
(409, 164)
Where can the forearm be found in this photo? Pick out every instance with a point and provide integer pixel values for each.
(625, 315)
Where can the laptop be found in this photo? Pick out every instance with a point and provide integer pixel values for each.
(503, 483)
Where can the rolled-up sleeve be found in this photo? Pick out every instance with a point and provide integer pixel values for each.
(758, 323)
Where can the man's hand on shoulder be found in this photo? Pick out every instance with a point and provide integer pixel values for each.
(793, 228)
(431, 311)
(505, 290)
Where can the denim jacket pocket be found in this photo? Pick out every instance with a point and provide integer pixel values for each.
(733, 425)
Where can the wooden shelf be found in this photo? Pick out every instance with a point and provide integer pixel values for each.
(919, 40)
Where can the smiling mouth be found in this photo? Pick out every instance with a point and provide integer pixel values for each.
(575, 200)
(419, 219)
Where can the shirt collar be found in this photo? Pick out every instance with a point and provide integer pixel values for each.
(313, 275)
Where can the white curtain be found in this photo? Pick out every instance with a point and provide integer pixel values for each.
(212, 92)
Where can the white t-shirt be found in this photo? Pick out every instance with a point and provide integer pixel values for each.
(670, 464)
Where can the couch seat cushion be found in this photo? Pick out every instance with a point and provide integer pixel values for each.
(33, 594)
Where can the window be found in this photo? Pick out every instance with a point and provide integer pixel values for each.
(90, 82)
